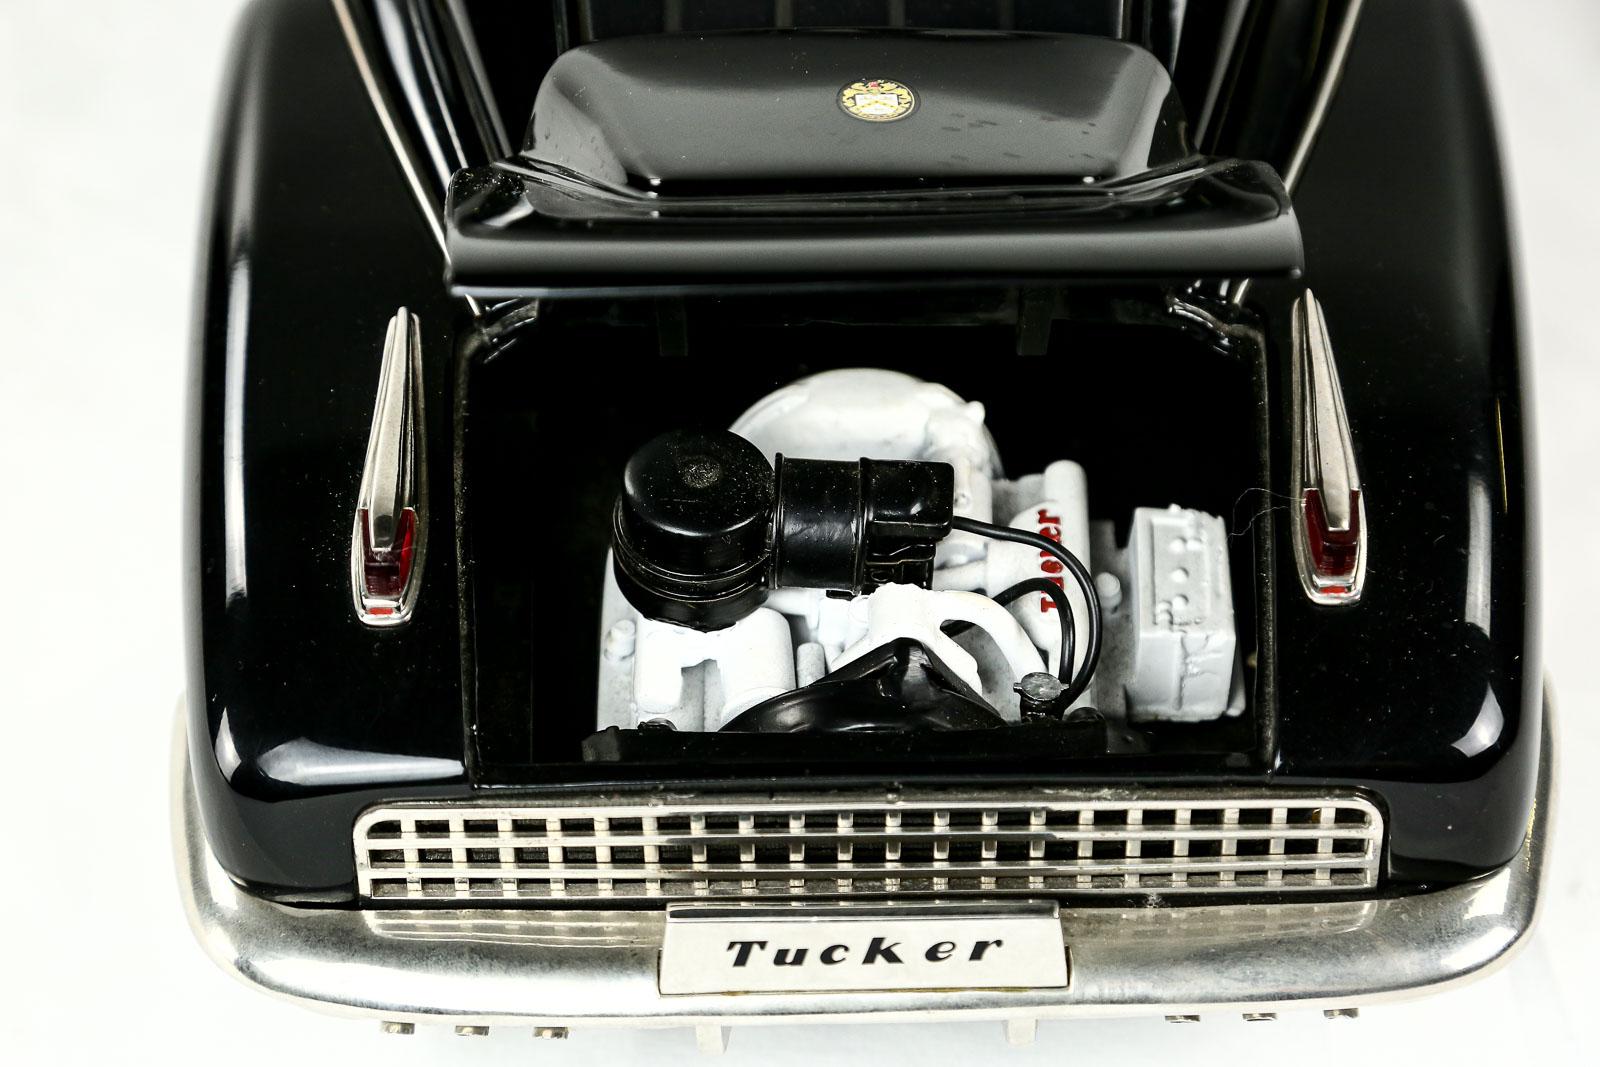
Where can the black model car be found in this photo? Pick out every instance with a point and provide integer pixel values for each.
(917, 508)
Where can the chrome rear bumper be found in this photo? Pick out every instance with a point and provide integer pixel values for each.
(476, 967)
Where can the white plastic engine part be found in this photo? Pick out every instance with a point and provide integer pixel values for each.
(754, 660)
(1184, 647)
(883, 414)
(1169, 653)
(892, 612)
(823, 619)
(1060, 512)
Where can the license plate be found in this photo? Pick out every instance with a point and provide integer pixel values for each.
(722, 948)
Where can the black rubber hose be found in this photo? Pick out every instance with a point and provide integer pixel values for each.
(1050, 589)
(1080, 574)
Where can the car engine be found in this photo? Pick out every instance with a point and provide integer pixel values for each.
(849, 555)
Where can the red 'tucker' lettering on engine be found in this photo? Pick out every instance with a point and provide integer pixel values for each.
(1050, 526)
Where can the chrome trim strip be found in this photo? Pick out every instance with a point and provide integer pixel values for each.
(486, 111)
(393, 478)
(432, 207)
(1325, 89)
(558, 968)
(1332, 74)
(913, 843)
(1323, 459)
(405, 156)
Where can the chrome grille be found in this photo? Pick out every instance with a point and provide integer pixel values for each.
(852, 845)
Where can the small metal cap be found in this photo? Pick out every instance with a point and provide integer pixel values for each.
(555, 1033)
(1084, 715)
(389, 1026)
(1041, 695)
(472, 1031)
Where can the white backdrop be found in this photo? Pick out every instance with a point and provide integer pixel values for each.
(106, 111)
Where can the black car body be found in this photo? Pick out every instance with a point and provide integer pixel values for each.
(684, 229)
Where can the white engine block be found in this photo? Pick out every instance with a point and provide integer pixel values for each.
(1169, 651)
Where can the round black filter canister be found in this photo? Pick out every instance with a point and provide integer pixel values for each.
(689, 538)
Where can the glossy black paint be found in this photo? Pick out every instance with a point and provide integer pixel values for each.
(440, 120)
(1263, 100)
(602, 19)
(1022, 157)
(297, 711)
(1430, 688)
(987, 108)
(1428, 692)
(516, 234)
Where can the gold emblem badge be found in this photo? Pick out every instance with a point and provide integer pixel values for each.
(877, 100)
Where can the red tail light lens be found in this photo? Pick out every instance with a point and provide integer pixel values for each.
(386, 570)
(1335, 554)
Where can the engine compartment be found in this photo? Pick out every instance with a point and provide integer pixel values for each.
(859, 553)
(574, 680)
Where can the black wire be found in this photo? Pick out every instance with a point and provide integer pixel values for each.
(1080, 574)
(1063, 609)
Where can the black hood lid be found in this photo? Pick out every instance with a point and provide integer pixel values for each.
(777, 111)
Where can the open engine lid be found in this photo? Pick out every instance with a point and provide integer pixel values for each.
(681, 162)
